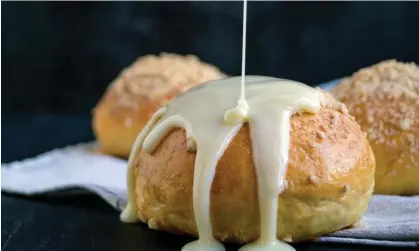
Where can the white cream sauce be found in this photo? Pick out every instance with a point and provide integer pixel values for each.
(129, 214)
(211, 119)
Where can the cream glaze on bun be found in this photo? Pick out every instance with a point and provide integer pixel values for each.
(292, 166)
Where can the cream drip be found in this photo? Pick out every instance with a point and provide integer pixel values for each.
(129, 214)
(208, 115)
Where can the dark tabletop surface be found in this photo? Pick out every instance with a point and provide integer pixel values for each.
(78, 222)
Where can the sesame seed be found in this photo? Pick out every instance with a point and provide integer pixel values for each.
(152, 224)
(346, 188)
(392, 173)
(312, 179)
(287, 238)
(191, 145)
(320, 135)
(405, 124)
(285, 184)
(334, 120)
(128, 122)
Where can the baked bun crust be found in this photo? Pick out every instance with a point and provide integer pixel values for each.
(139, 91)
(330, 179)
(384, 99)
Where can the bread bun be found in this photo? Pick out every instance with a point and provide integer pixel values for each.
(139, 91)
(384, 99)
(330, 179)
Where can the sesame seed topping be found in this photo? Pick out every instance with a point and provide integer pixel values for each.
(191, 145)
(320, 135)
(128, 122)
(405, 124)
(152, 224)
(334, 120)
(160, 77)
(312, 179)
(287, 238)
(392, 173)
(346, 188)
(285, 184)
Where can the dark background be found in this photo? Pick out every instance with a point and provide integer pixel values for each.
(59, 57)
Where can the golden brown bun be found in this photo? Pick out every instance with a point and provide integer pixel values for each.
(384, 99)
(139, 91)
(330, 180)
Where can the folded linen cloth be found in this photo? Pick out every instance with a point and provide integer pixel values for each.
(389, 221)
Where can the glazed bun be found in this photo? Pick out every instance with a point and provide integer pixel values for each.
(330, 180)
(138, 92)
(384, 99)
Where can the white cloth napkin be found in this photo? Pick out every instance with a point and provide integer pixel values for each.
(390, 220)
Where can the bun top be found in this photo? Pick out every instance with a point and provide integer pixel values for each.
(212, 116)
(384, 99)
(158, 78)
(389, 80)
